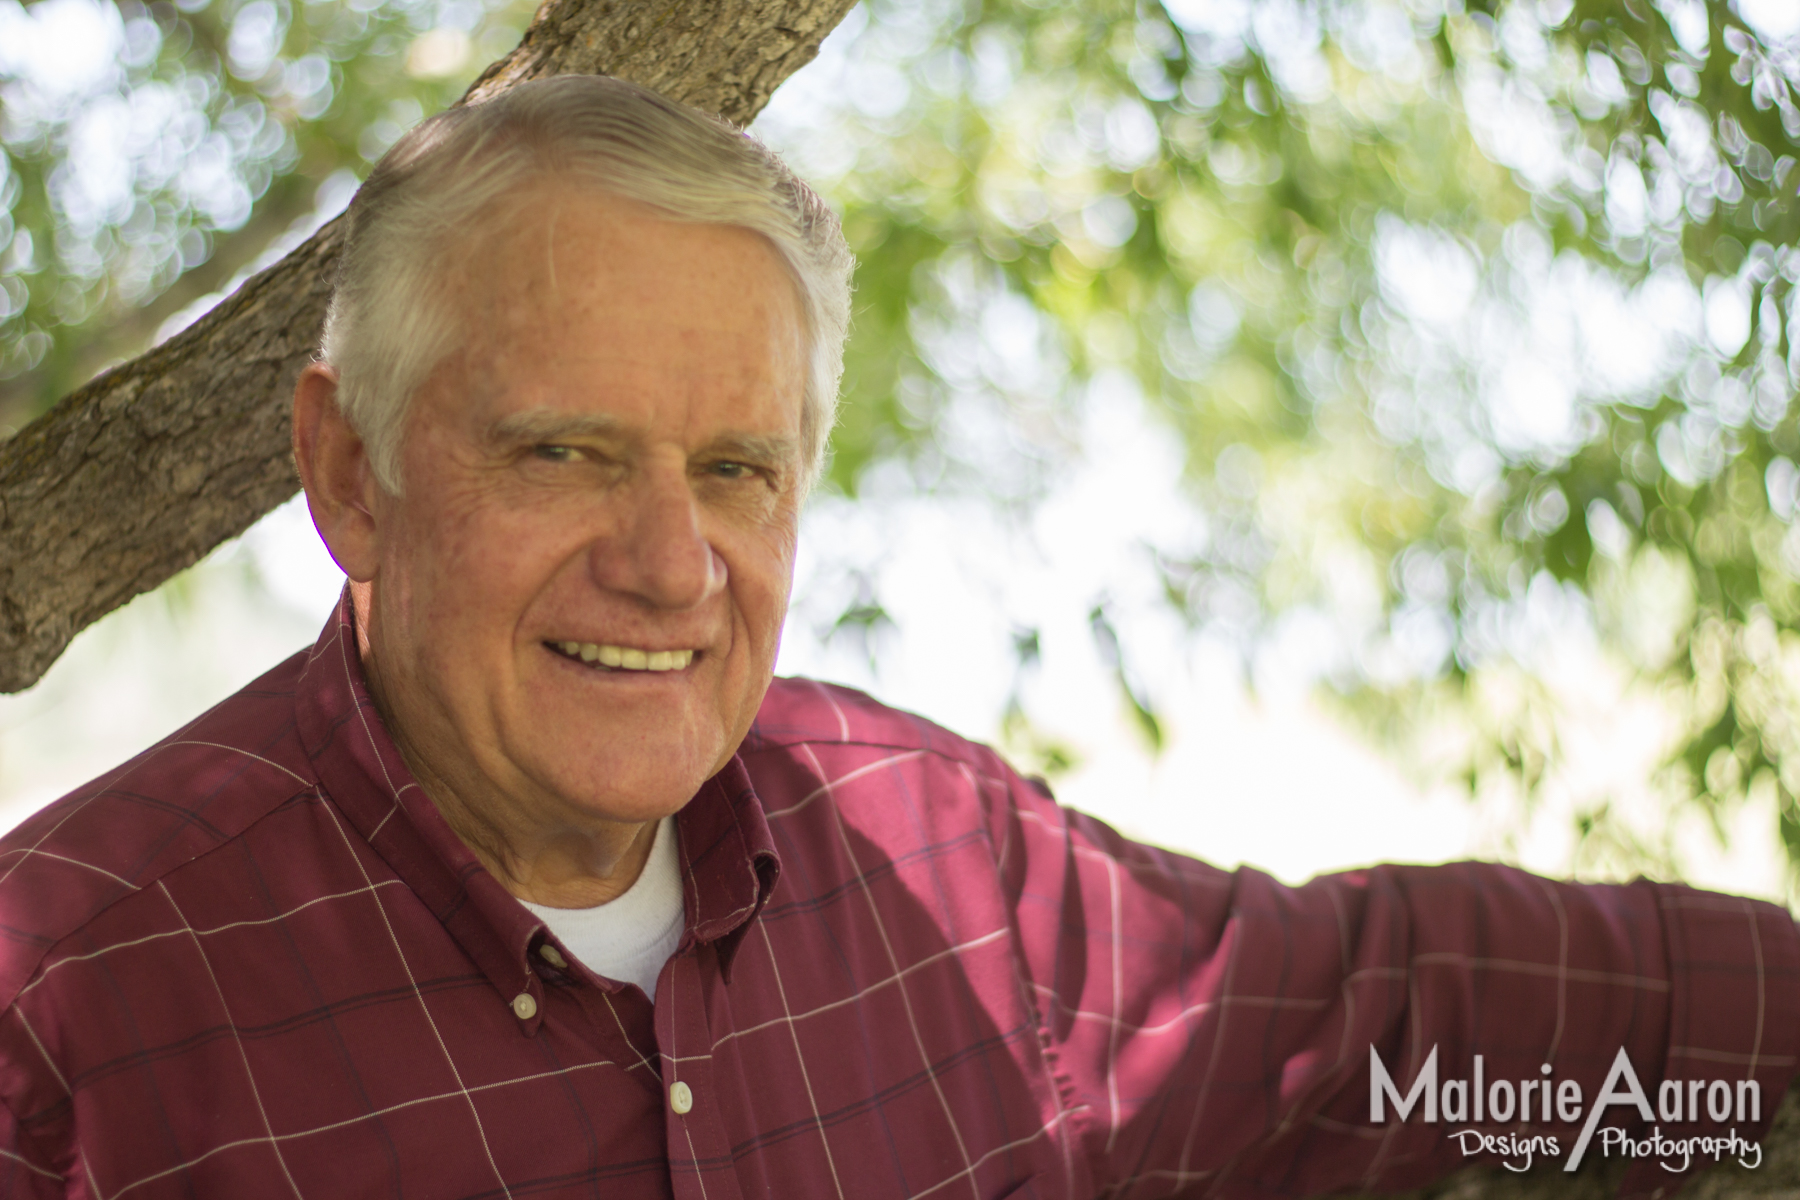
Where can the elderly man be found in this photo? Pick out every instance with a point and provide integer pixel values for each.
(525, 880)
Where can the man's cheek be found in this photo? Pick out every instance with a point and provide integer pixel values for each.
(492, 550)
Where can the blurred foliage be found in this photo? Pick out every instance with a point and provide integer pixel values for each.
(1473, 319)
(1473, 316)
(154, 152)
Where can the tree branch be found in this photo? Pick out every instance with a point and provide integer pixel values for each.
(139, 473)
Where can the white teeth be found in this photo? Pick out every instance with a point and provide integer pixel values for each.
(623, 657)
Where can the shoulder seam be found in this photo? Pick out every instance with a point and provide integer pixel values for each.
(7, 1002)
(923, 745)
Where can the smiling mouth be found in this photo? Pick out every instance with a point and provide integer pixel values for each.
(623, 658)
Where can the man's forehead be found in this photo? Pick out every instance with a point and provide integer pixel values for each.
(559, 217)
(560, 249)
(595, 318)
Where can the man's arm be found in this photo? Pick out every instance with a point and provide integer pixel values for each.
(23, 1173)
(1216, 1027)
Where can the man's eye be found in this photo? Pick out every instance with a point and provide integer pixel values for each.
(732, 470)
(555, 453)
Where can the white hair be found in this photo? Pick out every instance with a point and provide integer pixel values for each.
(390, 322)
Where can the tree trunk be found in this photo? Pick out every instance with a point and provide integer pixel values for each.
(139, 473)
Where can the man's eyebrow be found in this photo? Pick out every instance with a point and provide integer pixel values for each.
(545, 425)
(754, 448)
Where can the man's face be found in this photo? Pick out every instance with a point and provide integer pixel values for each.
(580, 592)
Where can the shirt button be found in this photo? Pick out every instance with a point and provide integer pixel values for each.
(553, 956)
(524, 1006)
(681, 1098)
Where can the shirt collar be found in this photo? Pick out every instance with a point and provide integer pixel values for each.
(728, 860)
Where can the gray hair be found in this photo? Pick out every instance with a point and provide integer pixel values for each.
(389, 324)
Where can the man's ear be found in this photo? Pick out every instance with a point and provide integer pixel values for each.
(336, 473)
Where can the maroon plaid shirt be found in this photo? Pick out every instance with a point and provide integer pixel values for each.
(254, 962)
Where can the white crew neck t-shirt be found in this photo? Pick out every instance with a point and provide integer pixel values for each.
(631, 936)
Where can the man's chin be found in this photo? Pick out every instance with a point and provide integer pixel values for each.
(602, 791)
(632, 752)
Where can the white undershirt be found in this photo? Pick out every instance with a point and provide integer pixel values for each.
(631, 936)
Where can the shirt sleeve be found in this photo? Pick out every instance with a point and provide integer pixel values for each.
(22, 1175)
(1214, 1029)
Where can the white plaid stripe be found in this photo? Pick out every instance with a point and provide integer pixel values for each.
(887, 944)
(225, 1007)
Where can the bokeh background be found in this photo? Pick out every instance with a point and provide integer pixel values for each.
(1309, 432)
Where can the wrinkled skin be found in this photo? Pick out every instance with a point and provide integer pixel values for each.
(612, 455)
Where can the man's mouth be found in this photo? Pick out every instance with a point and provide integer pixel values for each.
(623, 658)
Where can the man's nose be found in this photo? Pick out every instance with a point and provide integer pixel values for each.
(659, 553)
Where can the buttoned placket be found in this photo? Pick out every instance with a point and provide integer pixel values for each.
(700, 1163)
(519, 957)
(527, 1003)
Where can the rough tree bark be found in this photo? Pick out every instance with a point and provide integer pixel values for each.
(138, 474)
